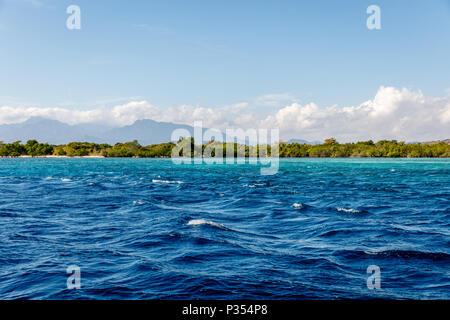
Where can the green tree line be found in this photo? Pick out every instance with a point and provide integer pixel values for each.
(187, 148)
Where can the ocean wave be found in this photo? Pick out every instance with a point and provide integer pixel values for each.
(414, 254)
(199, 222)
(332, 233)
(66, 179)
(298, 205)
(393, 254)
(340, 209)
(290, 232)
(284, 191)
(166, 181)
(254, 185)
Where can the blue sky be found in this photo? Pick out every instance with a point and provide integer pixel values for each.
(310, 68)
(214, 53)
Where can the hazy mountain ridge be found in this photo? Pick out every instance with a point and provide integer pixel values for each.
(56, 132)
(301, 141)
(446, 141)
(145, 131)
(46, 130)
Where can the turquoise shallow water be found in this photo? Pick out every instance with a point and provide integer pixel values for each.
(147, 228)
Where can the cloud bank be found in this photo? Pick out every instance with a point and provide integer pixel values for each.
(393, 113)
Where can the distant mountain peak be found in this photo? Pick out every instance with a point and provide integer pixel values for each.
(301, 141)
(446, 141)
(35, 120)
(146, 131)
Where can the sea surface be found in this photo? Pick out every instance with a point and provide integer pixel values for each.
(151, 229)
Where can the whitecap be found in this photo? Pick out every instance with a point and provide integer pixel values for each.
(254, 185)
(297, 205)
(66, 180)
(348, 210)
(166, 181)
(138, 202)
(199, 222)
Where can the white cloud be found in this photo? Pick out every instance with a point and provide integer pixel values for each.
(274, 100)
(392, 114)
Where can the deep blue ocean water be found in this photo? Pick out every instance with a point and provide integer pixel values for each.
(150, 229)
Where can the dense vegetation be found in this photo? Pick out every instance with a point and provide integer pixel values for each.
(383, 148)
(330, 148)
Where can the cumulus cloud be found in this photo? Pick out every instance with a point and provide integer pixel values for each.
(393, 113)
(119, 115)
(274, 100)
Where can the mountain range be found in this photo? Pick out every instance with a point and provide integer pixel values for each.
(55, 132)
(301, 141)
(145, 131)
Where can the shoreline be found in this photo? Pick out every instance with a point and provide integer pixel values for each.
(164, 157)
(186, 148)
(52, 156)
(77, 157)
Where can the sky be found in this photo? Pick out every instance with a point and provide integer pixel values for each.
(310, 68)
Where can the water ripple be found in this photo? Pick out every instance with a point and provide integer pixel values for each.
(149, 229)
